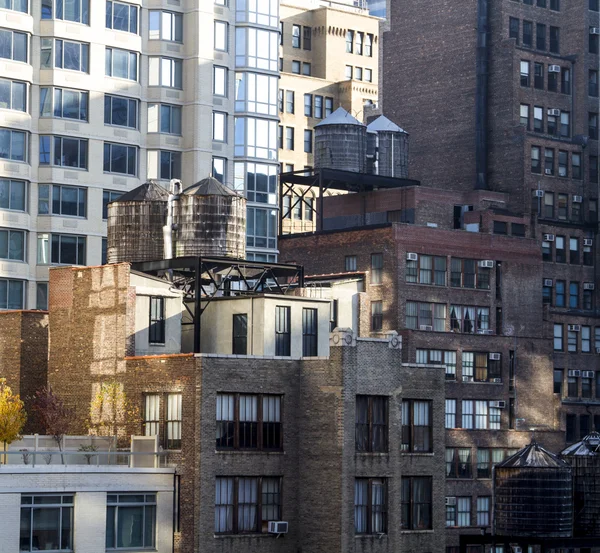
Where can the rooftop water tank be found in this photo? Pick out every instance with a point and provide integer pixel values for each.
(341, 143)
(584, 458)
(135, 224)
(390, 143)
(533, 495)
(210, 220)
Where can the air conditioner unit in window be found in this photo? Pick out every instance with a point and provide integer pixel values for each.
(279, 527)
(554, 69)
(574, 328)
(574, 373)
(538, 193)
(598, 350)
(594, 31)
(588, 374)
(548, 237)
(577, 199)
(412, 257)
(554, 112)
(588, 285)
(548, 171)
(486, 264)
(425, 327)
(548, 282)
(562, 172)
(495, 357)
(485, 331)
(467, 379)
(498, 404)
(587, 241)
(496, 380)
(451, 501)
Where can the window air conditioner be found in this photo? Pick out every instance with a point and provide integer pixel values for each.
(554, 112)
(598, 350)
(588, 374)
(538, 193)
(467, 379)
(425, 327)
(486, 264)
(495, 357)
(574, 373)
(554, 69)
(412, 257)
(587, 241)
(548, 171)
(548, 282)
(496, 380)
(577, 199)
(548, 237)
(588, 285)
(279, 527)
(498, 404)
(594, 31)
(485, 331)
(574, 328)
(451, 501)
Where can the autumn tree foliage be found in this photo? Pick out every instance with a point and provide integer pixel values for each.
(12, 414)
(111, 411)
(52, 414)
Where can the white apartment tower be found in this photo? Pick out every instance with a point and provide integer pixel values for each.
(97, 96)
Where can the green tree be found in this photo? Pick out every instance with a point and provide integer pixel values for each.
(111, 411)
(12, 415)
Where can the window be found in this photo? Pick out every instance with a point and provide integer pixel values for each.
(156, 326)
(538, 119)
(463, 511)
(571, 341)
(309, 332)
(77, 11)
(563, 206)
(41, 296)
(289, 101)
(255, 138)
(12, 244)
(466, 273)
(15, 5)
(220, 81)
(576, 165)
(282, 331)
(308, 103)
(416, 503)
(555, 5)
(563, 163)
(164, 118)
(296, 67)
(560, 249)
(164, 164)
(13, 145)
(554, 39)
(221, 36)
(328, 106)
(416, 426)
(469, 320)
(458, 463)
(376, 268)
(307, 38)
(480, 367)
(593, 125)
(350, 263)
(370, 506)
(593, 42)
(219, 169)
(13, 195)
(558, 337)
(540, 36)
(565, 124)
(571, 427)
(593, 83)
(164, 25)
(594, 169)
(527, 33)
(318, 107)
(121, 64)
(439, 357)
(573, 250)
(66, 200)
(467, 414)
(524, 115)
(587, 256)
(549, 161)
(369, 75)
(513, 28)
(573, 295)
(358, 73)
(427, 270)
(349, 70)
(289, 138)
(536, 166)
(426, 314)
(349, 41)
(219, 126)
(13, 95)
(376, 316)
(586, 388)
(121, 112)
(119, 158)
(240, 334)
(65, 103)
(308, 141)
(165, 72)
(587, 300)
(483, 511)
(13, 45)
(572, 386)
(559, 300)
(173, 421)
(525, 71)
(296, 36)
(371, 424)
(538, 76)
(594, 5)
(131, 521)
(484, 468)
(547, 294)
(63, 152)
(552, 80)
(258, 501)
(450, 413)
(558, 381)
(151, 414)
(122, 17)
(12, 294)
(63, 249)
(46, 522)
(565, 80)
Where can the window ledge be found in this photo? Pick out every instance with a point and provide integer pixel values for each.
(371, 453)
(417, 532)
(371, 536)
(244, 536)
(247, 451)
(417, 454)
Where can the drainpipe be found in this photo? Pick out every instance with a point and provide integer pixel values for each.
(174, 189)
(481, 96)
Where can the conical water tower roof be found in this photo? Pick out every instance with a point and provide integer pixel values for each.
(149, 191)
(590, 445)
(340, 117)
(383, 124)
(533, 456)
(209, 187)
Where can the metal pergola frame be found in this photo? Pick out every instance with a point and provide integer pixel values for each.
(201, 279)
(329, 179)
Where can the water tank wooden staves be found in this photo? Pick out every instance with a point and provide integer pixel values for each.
(135, 224)
(210, 220)
(533, 495)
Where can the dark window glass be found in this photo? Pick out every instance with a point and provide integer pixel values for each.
(157, 320)
(571, 428)
(240, 334)
(282, 331)
(513, 28)
(554, 40)
(540, 36)
(558, 381)
(376, 268)
(371, 426)
(309, 332)
(416, 503)
(416, 426)
(527, 33)
(376, 316)
(370, 506)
